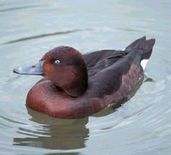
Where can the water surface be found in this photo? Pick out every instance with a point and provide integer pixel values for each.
(30, 28)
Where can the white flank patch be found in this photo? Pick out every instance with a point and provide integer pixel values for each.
(144, 63)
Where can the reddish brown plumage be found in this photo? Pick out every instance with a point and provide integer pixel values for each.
(81, 85)
(45, 97)
(70, 74)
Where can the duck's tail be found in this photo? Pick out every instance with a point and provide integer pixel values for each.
(142, 45)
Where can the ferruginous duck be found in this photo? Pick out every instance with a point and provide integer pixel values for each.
(76, 85)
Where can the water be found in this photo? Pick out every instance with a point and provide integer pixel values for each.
(30, 28)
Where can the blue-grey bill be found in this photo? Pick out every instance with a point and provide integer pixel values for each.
(36, 69)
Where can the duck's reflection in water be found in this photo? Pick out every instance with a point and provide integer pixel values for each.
(53, 133)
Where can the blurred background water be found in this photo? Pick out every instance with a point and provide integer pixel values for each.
(28, 29)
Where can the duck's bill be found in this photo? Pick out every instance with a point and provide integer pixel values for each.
(36, 69)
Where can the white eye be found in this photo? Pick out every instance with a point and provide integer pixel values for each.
(57, 61)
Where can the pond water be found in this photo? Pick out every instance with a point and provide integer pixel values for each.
(30, 28)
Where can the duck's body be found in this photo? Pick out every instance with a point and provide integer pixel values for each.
(89, 83)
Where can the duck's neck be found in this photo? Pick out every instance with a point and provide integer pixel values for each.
(77, 86)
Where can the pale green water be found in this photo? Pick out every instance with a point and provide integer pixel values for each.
(30, 28)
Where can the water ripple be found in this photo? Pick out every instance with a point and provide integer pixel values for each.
(46, 35)
(18, 8)
(12, 121)
(33, 133)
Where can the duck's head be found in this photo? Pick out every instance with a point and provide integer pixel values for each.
(64, 66)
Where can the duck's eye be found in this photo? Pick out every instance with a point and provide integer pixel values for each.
(57, 61)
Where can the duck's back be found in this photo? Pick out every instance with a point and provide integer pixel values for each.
(100, 60)
(115, 74)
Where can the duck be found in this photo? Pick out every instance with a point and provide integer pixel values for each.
(76, 85)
